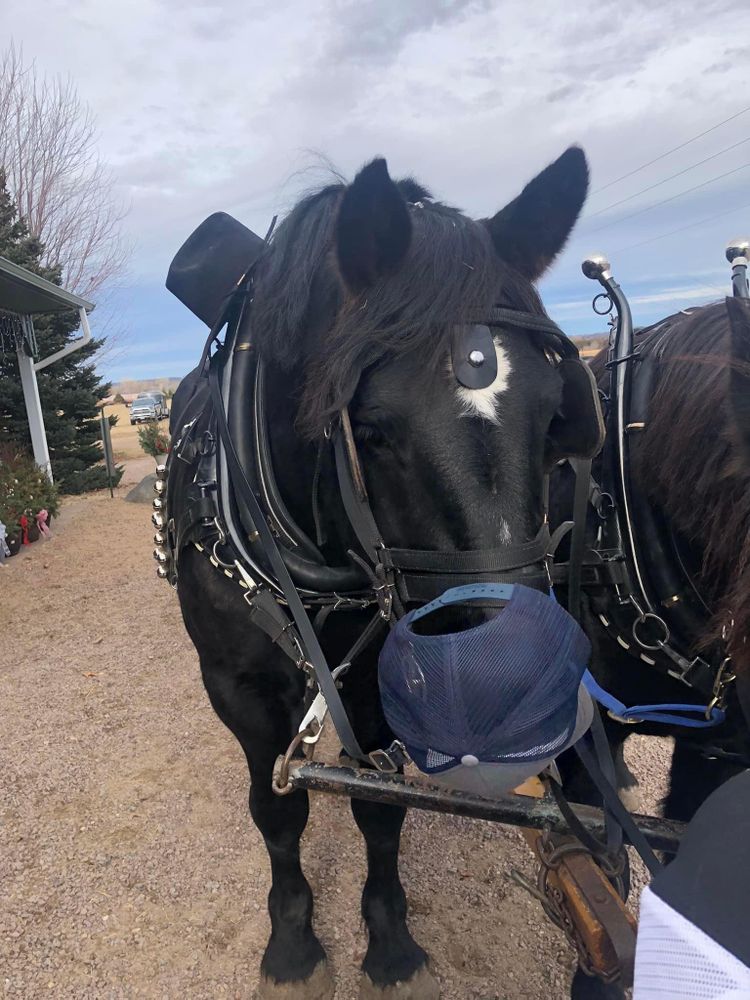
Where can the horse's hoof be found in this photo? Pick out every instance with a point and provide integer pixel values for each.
(318, 986)
(421, 986)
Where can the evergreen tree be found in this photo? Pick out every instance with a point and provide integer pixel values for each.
(68, 389)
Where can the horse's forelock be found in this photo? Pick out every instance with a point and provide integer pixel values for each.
(451, 274)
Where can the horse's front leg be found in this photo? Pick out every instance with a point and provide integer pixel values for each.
(294, 963)
(394, 966)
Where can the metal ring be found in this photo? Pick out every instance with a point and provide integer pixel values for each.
(280, 782)
(607, 298)
(641, 620)
(219, 560)
(606, 506)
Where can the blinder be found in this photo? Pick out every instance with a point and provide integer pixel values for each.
(473, 356)
(578, 429)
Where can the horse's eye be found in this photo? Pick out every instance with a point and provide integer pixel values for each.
(368, 434)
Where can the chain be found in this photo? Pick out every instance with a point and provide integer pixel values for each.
(552, 899)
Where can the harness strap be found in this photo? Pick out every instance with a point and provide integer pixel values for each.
(355, 501)
(268, 616)
(474, 561)
(190, 526)
(582, 469)
(418, 589)
(307, 634)
(539, 322)
(422, 574)
(614, 804)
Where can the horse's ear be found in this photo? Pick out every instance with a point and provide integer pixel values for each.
(739, 373)
(533, 228)
(373, 229)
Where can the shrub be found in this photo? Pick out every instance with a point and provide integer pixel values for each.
(92, 478)
(153, 440)
(24, 488)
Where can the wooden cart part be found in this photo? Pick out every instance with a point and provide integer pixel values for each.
(602, 921)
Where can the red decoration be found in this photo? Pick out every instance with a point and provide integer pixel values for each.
(24, 522)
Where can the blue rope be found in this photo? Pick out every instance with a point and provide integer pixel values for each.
(654, 713)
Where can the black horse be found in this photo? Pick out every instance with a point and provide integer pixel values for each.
(355, 303)
(690, 464)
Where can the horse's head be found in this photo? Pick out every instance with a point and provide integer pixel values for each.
(359, 302)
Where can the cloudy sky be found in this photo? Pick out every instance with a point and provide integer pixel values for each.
(230, 105)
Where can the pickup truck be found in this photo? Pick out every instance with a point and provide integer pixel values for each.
(151, 406)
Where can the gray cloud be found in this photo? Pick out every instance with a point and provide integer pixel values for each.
(205, 105)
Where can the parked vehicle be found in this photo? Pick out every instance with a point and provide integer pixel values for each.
(149, 406)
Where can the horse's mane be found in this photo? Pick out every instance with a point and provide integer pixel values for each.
(694, 469)
(451, 274)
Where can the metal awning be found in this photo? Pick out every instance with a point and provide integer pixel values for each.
(24, 295)
(27, 294)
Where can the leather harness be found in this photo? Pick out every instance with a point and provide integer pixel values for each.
(232, 510)
(629, 563)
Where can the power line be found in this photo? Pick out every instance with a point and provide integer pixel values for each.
(670, 151)
(674, 197)
(690, 225)
(671, 177)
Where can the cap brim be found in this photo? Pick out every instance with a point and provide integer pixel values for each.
(493, 779)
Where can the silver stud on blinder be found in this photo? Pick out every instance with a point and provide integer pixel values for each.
(473, 356)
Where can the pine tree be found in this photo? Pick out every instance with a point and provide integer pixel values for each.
(68, 389)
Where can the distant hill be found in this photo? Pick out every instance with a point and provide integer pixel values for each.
(135, 385)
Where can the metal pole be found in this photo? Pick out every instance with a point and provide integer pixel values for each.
(738, 255)
(33, 405)
(597, 268)
(512, 810)
(107, 448)
(74, 345)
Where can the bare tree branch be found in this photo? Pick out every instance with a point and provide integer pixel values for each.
(63, 191)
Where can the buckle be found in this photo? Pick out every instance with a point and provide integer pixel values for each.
(390, 760)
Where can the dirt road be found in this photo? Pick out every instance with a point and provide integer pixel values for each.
(128, 863)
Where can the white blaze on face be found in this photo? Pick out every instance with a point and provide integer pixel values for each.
(483, 402)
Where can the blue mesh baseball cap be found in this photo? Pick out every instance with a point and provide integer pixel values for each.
(485, 708)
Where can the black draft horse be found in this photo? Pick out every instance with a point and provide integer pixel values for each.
(354, 304)
(691, 463)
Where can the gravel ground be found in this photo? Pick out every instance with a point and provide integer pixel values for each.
(128, 864)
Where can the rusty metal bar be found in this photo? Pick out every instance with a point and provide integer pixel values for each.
(512, 810)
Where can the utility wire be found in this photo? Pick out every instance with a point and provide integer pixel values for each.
(674, 197)
(682, 229)
(671, 177)
(669, 152)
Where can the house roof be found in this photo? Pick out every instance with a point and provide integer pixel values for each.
(26, 294)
